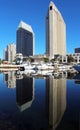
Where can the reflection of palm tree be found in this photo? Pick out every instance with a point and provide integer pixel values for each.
(56, 100)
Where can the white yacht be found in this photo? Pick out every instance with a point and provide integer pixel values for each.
(26, 67)
(44, 67)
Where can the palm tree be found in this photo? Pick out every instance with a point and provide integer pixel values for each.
(70, 58)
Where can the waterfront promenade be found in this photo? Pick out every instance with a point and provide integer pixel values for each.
(8, 67)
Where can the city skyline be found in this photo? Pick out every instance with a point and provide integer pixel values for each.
(34, 13)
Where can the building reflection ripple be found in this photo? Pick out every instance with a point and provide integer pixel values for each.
(24, 88)
(55, 95)
(77, 78)
(55, 100)
(10, 79)
(24, 92)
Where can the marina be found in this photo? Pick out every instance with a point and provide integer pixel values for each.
(40, 68)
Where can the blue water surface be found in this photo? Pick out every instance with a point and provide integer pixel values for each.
(39, 103)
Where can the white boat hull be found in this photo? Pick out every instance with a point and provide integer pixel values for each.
(44, 67)
(26, 67)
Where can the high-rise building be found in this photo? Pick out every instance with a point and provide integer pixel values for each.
(10, 52)
(55, 32)
(25, 39)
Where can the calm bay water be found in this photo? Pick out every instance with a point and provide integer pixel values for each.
(40, 102)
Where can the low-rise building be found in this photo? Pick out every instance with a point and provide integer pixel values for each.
(77, 50)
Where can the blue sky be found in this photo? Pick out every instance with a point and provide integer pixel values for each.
(34, 12)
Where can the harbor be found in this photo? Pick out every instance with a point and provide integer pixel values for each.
(30, 95)
(36, 67)
(40, 65)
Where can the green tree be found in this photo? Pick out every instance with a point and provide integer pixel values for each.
(70, 59)
(46, 59)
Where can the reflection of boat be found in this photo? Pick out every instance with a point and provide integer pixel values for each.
(18, 76)
(26, 72)
(45, 72)
(77, 67)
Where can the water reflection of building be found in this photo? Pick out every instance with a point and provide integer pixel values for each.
(10, 79)
(77, 78)
(24, 92)
(56, 100)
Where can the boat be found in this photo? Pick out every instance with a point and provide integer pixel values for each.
(44, 67)
(62, 67)
(23, 67)
(77, 67)
(36, 67)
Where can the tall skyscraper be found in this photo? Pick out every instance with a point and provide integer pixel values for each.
(25, 39)
(55, 32)
(10, 52)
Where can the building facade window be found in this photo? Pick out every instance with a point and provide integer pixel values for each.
(50, 7)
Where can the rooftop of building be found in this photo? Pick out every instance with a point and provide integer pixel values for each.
(55, 9)
(25, 26)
